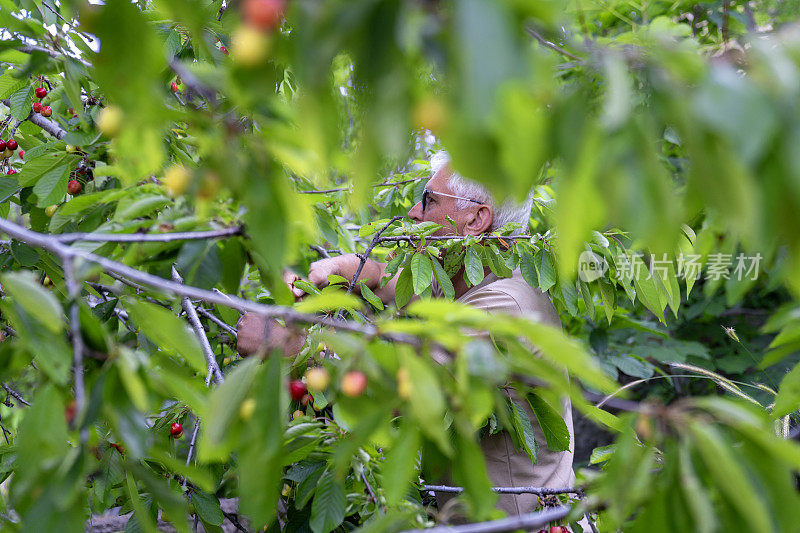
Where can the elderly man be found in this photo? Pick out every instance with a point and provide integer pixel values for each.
(472, 209)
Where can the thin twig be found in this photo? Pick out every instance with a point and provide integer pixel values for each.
(321, 251)
(222, 9)
(209, 315)
(412, 238)
(540, 491)
(552, 46)
(525, 522)
(378, 185)
(148, 237)
(17, 396)
(381, 507)
(234, 519)
(29, 49)
(365, 256)
(194, 320)
(74, 292)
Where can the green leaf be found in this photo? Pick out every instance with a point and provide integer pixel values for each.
(8, 188)
(207, 507)
(553, 426)
(327, 509)
(788, 398)
(523, 431)
(52, 186)
(546, 268)
(10, 85)
(329, 300)
(699, 503)
(473, 266)
(632, 366)
(443, 279)
(259, 446)
(370, 296)
(137, 206)
(167, 331)
(609, 297)
(200, 264)
(469, 471)
(404, 289)
(426, 399)
(84, 201)
(37, 301)
(422, 272)
(588, 302)
(399, 469)
(21, 102)
(24, 254)
(223, 405)
(730, 477)
(34, 169)
(528, 269)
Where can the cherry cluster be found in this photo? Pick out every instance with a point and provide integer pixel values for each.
(353, 384)
(7, 150)
(38, 107)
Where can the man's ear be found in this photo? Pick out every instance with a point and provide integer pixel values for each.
(480, 220)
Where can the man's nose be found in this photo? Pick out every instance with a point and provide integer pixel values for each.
(415, 213)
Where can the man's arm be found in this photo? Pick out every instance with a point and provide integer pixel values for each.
(346, 266)
(256, 332)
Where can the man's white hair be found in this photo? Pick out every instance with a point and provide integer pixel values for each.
(508, 211)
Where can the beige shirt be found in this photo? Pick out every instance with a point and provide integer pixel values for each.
(507, 466)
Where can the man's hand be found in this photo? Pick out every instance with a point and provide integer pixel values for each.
(343, 265)
(256, 333)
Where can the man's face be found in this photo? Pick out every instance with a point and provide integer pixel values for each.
(438, 207)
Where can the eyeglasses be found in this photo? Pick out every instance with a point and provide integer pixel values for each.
(428, 192)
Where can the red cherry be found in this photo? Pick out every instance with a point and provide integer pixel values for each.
(47, 111)
(264, 14)
(70, 111)
(37, 107)
(11, 144)
(21, 154)
(74, 187)
(11, 171)
(2, 145)
(176, 430)
(297, 389)
(40, 92)
(223, 49)
(174, 87)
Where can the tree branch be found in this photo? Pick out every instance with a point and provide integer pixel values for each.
(49, 126)
(212, 317)
(540, 491)
(67, 238)
(74, 292)
(17, 396)
(525, 522)
(194, 320)
(29, 49)
(379, 185)
(47, 242)
(412, 238)
(552, 46)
